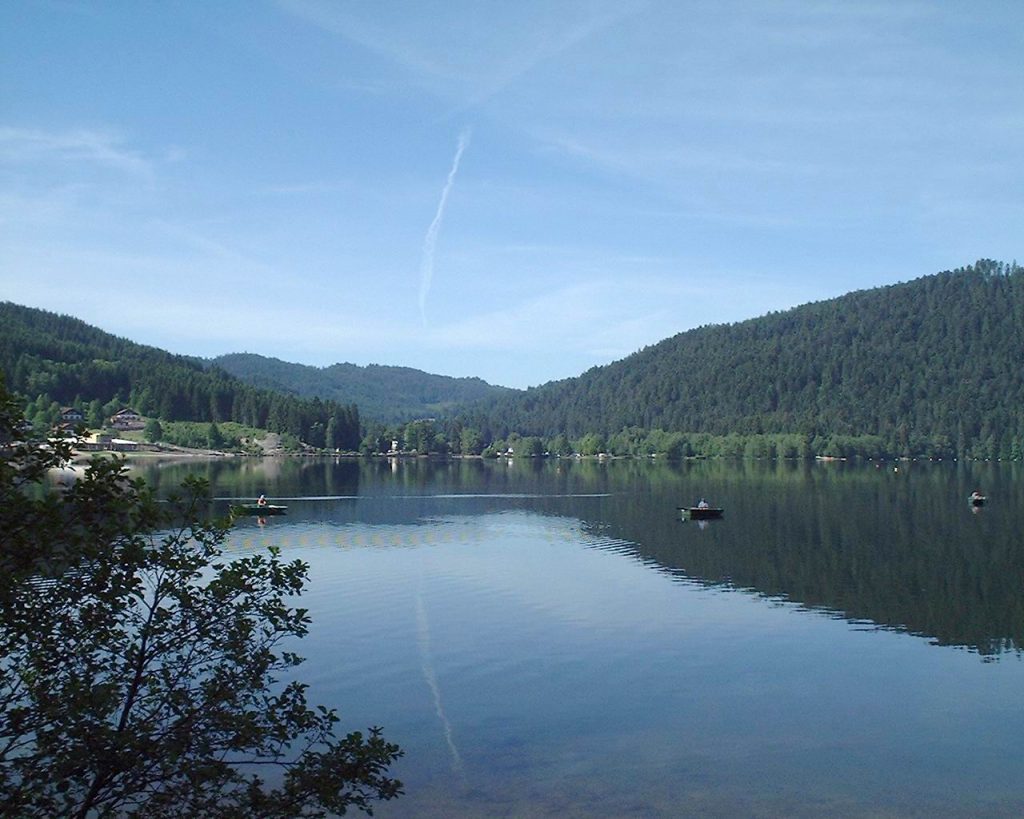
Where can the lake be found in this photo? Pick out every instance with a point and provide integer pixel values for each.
(551, 638)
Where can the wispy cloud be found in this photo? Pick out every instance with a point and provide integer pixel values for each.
(653, 160)
(568, 318)
(491, 54)
(430, 240)
(529, 55)
(376, 39)
(309, 188)
(586, 319)
(23, 145)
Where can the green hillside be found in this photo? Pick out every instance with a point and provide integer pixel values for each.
(382, 393)
(934, 366)
(53, 360)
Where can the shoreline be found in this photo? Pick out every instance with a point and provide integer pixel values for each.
(81, 457)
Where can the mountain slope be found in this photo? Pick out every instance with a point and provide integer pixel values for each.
(55, 358)
(383, 393)
(937, 359)
(932, 366)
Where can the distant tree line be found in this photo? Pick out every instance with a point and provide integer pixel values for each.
(430, 437)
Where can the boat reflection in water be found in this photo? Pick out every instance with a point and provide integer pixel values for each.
(701, 512)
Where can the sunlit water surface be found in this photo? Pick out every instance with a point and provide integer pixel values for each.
(554, 640)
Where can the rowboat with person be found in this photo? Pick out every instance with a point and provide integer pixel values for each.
(702, 511)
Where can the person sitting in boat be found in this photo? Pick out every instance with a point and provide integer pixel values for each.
(976, 495)
(262, 501)
(703, 504)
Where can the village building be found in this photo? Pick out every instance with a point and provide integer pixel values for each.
(102, 442)
(126, 418)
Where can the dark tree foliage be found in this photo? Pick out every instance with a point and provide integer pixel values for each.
(144, 674)
(929, 367)
(384, 394)
(65, 360)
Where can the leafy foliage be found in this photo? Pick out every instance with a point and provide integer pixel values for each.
(142, 673)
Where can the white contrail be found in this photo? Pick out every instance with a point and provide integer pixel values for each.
(430, 240)
(427, 664)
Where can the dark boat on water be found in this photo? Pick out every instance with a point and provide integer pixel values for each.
(256, 509)
(976, 499)
(701, 512)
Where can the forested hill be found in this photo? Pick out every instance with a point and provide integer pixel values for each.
(53, 359)
(934, 365)
(387, 394)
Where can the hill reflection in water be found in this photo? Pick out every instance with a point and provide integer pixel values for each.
(894, 545)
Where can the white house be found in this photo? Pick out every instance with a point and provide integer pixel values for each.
(126, 419)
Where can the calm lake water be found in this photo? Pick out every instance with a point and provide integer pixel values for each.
(550, 638)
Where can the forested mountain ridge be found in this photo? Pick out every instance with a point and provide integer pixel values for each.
(383, 393)
(931, 367)
(52, 359)
(934, 365)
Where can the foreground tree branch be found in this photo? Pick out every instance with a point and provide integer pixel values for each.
(140, 671)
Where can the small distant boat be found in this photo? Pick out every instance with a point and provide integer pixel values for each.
(256, 509)
(976, 499)
(701, 512)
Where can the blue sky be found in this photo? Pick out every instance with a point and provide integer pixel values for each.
(512, 190)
